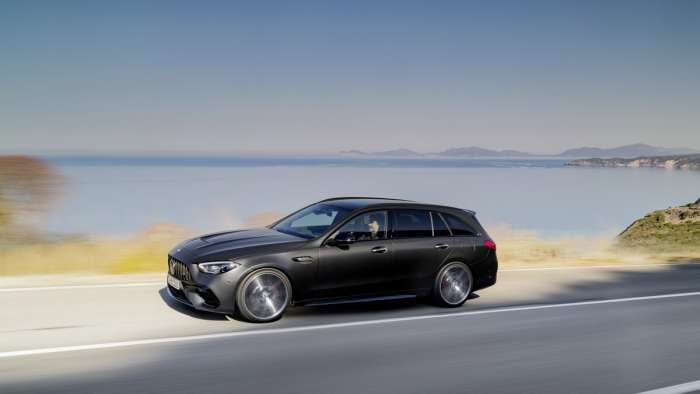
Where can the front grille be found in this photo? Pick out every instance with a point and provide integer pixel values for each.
(179, 270)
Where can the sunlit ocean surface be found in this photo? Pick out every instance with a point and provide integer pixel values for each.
(125, 195)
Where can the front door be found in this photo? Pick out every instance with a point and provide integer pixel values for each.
(362, 267)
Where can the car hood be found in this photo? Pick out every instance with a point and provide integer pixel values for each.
(233, 244)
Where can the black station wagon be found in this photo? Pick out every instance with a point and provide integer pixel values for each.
(337, 250)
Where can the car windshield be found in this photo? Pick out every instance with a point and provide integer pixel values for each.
(313, 221)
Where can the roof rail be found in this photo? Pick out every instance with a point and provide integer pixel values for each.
(469, 211)
(362, 198)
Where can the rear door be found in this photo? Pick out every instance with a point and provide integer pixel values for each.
(417, 252)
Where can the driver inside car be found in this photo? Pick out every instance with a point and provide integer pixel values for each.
(367, 227)
(375, 226)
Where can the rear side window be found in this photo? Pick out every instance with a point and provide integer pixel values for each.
(439, 226)
(413, 223)
(458, 226)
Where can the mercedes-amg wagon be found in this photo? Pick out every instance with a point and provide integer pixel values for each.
(338, 250)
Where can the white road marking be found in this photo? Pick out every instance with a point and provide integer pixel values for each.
(590, 267)
(76, 287)
(108, 345)
(678, 389)
(564, 268)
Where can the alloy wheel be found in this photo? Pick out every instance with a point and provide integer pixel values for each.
(265, 295)
(455, 283)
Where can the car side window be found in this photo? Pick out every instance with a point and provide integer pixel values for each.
(439, 227)
(458, 226)
(413, 223)
(367, 226)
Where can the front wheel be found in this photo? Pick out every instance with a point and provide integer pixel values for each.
(453, 284)
(264, 295)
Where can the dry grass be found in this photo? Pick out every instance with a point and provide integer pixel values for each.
(146, 252)
(522, 248)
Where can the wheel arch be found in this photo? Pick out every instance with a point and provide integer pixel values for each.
(268, 265)
(456, 259)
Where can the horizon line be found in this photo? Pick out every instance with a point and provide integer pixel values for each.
(337, 152)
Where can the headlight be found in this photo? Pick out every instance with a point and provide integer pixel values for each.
(217, 267)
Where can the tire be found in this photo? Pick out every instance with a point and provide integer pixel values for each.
(452, 285)
(264, 295)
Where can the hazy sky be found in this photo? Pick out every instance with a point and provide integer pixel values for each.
(323, 76)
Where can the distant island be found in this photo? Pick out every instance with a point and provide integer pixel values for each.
(669, 230)
(626, 151)
(681, 162)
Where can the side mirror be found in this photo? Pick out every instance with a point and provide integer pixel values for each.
(342, 239)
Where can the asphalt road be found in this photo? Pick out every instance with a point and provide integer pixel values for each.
(569, 330)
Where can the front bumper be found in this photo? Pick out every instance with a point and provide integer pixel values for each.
(197, 298)
(205, 292)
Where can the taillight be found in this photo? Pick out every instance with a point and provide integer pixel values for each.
(490, 244)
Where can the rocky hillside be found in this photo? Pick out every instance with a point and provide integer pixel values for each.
(682, 162)
(669, 230)
(476, 152)
(627, 151)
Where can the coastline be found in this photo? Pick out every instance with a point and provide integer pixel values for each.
(682, 162)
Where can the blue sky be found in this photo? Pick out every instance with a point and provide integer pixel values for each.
(324, 76)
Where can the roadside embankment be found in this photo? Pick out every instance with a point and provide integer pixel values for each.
(147, 252)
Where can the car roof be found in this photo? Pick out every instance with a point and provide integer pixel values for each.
(355, 203)
(362, 202)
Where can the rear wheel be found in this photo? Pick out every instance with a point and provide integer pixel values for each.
(453, 284)
(264, 295)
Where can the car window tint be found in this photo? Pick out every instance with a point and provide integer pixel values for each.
(458, 226)
(315, 219)
(312, 221)
(367, 226)
(413, 223)
(439, 226)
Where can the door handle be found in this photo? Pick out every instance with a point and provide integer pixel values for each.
(379, 249)
(441, 246)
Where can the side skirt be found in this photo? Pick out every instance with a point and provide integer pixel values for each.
(361, 299)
